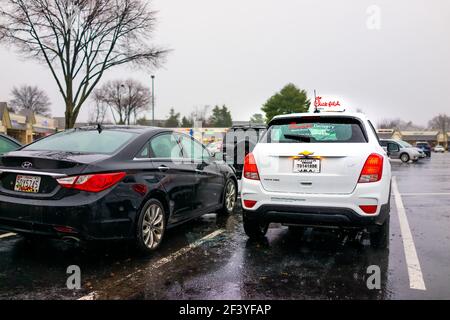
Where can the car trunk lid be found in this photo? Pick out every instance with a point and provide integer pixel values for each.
(35, 173)
(327, 168)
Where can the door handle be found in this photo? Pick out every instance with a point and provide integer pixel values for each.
(163, 168)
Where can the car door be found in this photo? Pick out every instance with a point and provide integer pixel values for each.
(209, 184)
(175, 173)
(394, 150)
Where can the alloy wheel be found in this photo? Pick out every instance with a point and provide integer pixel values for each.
(153, 226)
(230, 196)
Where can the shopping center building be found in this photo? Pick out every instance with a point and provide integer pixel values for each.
(25, 126)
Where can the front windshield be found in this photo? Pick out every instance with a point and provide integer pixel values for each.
(404, 144)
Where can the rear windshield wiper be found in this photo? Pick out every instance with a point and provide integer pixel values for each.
(298, 137)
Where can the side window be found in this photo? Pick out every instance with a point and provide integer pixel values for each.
(145, 153)
(165, 146)
(193, 150)
(393, 147)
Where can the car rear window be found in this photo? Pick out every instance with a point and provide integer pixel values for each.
(83, 141)
(316, 130)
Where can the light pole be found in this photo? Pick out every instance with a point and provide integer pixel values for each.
(153, 100)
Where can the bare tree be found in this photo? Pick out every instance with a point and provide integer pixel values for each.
(99, 109)
(127, 99)
(398, 124)
(200, 116)
(80, 39)
(389, 124)
(441, 123)
(30, 98)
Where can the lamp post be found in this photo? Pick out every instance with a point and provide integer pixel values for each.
(153, 100)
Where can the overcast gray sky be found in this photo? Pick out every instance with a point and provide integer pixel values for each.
(240, 52)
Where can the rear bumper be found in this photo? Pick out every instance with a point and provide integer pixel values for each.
(316, 216)
(104, 216)
(330, 210)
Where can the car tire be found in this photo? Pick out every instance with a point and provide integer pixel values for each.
(230, 196)
(404, 157)
(255, 229)
(379, 239)
(151, 226)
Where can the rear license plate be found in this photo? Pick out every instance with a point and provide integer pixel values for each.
(307, 165)
(27, 184)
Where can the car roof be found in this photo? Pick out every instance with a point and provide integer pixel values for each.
(323, 114)
(130, 128)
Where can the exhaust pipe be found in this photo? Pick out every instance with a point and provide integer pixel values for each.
(71, 240)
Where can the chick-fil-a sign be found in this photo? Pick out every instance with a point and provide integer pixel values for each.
(319, 103)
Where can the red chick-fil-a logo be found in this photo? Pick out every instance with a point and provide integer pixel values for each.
(318, 103)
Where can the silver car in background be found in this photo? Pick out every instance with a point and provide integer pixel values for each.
(399, 149)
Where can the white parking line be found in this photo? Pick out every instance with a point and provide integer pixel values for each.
(412, 260)
(163, 261)
(7, 235)
(426, 194)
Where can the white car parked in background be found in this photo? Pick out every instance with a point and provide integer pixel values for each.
(439, 148)
(318, 170)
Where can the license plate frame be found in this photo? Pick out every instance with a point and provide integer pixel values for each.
(27, 184)
(313, 166)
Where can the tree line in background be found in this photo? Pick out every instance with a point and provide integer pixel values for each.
(218, 117)
(127, 100)
(440, 123)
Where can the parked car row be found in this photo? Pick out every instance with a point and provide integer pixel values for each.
(398, 149)
(319, 170)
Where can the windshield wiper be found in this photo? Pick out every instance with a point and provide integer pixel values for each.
(298, 137)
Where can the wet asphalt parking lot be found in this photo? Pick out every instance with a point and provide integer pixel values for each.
(211, 258)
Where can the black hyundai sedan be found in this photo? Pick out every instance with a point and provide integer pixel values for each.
(109, 183)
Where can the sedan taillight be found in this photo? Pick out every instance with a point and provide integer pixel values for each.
(93, 182)
(372, 170)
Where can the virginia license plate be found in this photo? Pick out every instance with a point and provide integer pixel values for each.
(27, 184)
(307, 165)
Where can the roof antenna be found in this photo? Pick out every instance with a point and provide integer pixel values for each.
(99, 128)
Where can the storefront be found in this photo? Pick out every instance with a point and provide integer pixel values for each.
(3, 117)
(42, 126)
(26, 126)
(19, 128)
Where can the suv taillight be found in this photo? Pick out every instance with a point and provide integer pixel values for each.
(250, 168)
(372, 170)
(93, 182)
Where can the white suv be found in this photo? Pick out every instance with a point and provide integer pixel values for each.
(318, 170)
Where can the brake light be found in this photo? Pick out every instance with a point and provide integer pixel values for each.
(372, 170)
(249, 203)
(369, 209)
(63, 229)
(93, 182)
(250, 168)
